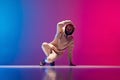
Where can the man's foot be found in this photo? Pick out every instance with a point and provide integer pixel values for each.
(52, 64)
(42, 63)
(71, 64)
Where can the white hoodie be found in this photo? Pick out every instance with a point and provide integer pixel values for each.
(61, 42)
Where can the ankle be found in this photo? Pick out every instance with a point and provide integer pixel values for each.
(52, 64)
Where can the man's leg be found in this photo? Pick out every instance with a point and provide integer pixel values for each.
(51, 58)
(51, 55)
(46, 48)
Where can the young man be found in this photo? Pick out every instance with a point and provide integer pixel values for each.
(63, 40)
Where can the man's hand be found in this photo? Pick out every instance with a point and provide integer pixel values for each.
(65, 22)
(71, 64)
(56, 50)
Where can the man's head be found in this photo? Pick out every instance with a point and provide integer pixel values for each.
(69, 29)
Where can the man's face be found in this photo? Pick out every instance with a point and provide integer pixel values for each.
(69, 29)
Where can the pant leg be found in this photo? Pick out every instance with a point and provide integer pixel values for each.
(46, 48)
(51, 55)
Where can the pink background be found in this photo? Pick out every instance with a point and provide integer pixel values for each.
(97, 33)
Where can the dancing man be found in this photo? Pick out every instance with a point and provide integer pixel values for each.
(63, 40)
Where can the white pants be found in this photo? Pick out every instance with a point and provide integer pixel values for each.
(51, 55)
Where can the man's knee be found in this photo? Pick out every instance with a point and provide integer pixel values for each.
(44, 44)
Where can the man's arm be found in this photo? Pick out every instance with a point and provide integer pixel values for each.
(59, 30)
(61, 24)
(70, 53)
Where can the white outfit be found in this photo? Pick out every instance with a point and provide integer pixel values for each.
(60, 43)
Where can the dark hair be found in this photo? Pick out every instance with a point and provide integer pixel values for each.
(69, 32)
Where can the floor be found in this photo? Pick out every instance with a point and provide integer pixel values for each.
(59, 73)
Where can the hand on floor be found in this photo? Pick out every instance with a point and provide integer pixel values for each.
(71, 64)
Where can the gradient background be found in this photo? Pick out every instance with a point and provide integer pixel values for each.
(25, 24)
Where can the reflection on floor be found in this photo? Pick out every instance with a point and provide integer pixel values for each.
(59, 73)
